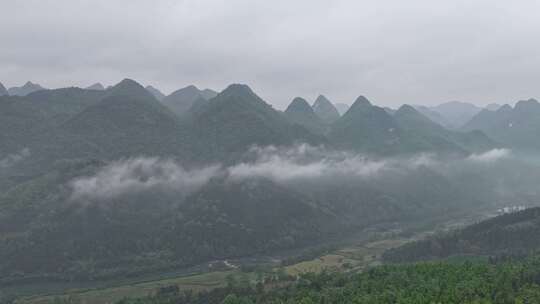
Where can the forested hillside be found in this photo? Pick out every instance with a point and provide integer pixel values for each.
(512, 281)
(510, 234)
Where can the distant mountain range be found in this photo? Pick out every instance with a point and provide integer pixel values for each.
(55, 139)
(237, 118)
(181, 101)
(369, 128)
(96, 86)
(26, 89)
(517, 127)
(453, 114)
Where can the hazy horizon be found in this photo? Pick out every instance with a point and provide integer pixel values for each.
(393, 52)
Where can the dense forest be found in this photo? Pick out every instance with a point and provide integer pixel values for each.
(495, 281)
(509, 234)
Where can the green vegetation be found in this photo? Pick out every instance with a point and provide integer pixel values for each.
(510, 234)
(508, 281)
(195, 283)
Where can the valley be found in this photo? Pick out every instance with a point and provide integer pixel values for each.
(355, 253)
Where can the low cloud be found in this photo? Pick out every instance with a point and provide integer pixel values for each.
(297, 164)
(490, 156)
(307, 162)
(141, 174)
(12, 159)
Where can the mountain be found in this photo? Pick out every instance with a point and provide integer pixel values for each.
(237, 118)
(430, 136)
(342, 108)
(31, 119)
(181, 101)
(325, 109)
(26, 89)
(208, 94)
(3, 91)
(300, 112)
(509, 234)
(367, 128)
(493, 106)
(433, 116)
(155, 92)
(96, 86)
(129, 121)
(390, 110)
(456, 113)
(517, 127)
(249, 217)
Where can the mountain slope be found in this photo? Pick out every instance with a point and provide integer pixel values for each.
(30, 119)
(456, 113)
(342, 108)
(181, 101)
(128, 121)
(433, 115)
(237, 118)
(435, 138)
(367, 128)
(208, 94)
(155, 92)
(325, 109)
(3, 91)
(299, 112)
(515, 233)
(517, 127)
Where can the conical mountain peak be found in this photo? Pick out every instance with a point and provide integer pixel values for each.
(241, 92)
(408, 117)
(407, 109)
(130, 87)
(26, 89)
(321, 99)
(325, 109)
(299, 104)
(238, 89)
(360, 104)
(183, 100)
(361, 101)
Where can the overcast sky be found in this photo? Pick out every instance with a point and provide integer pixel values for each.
(394, 52)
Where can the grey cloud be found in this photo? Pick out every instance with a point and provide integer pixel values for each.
(302, 162)
(140, 174)
(12, 159)
(305, 162)
(295, 164)
(490, 156)
(394, 51)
